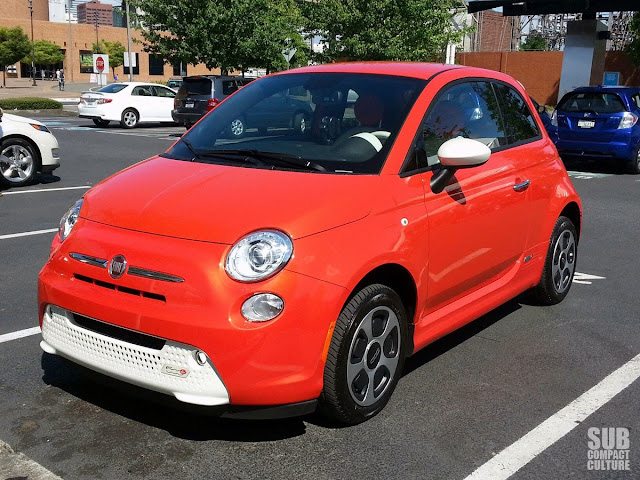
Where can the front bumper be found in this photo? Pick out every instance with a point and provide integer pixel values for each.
(171, 369)
(272, 363)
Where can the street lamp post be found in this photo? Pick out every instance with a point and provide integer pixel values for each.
(69, 55)
(33, 48)
(126, 8)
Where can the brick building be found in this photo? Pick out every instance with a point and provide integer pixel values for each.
(76, 41)
(495, 32)
(95, 12)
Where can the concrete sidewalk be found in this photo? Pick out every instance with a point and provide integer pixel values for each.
(18, 466)
(23, 87)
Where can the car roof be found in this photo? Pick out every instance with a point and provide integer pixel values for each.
(402, 69)
(606, 88)
(213, 77)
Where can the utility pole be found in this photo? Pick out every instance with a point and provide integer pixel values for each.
(33, 48)
(69, 55)
(95, 22)
(126, 6)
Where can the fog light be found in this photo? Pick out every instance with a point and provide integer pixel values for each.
(201, 357)
(262, 307)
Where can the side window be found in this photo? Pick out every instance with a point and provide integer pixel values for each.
(468, 109)
(228, 87)
(518, 120)
(164, 92)
(142, 91)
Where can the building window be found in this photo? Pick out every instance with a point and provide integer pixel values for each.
(136, 61)
(156, 65)
(180, 69)
(86, 61)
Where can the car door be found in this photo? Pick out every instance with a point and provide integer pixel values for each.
(163, 103)
(478, 225)
(143, 101)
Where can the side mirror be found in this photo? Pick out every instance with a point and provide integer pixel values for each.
(542, 109)
(458, 153)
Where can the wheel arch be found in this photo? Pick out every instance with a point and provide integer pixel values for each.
(572, 212)
(33, 144)
(399, 279)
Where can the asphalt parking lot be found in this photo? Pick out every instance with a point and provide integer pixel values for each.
(461, 401)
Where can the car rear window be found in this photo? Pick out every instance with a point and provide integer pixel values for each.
(593, 102)
(229, 86)
(113, 88)
(197, 86)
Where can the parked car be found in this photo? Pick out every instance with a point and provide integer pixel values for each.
(174, 83)
(298, 269)
(199, 94)
(26, 147)
(600, 122)
(129, 103)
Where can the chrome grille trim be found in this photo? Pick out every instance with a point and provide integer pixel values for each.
(134, 271)
(164, 277)
(95, 261)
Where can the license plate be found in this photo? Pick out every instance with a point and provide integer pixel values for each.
(188, 105)
(586, 123)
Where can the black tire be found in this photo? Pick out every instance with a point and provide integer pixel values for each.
(300, 124)
(28, 162)
(634, 165)
(237, 128)
(100, 122)
(188, 125)
(338, 398)
(130, 118)
(559, 265)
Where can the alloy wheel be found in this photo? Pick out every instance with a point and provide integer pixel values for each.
(373, 356)
(20, 163)
(563, 263)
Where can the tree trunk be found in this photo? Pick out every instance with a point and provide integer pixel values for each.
(4, 78)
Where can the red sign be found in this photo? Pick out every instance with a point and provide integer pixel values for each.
(100, 64)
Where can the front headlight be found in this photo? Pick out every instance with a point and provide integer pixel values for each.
(68, 220)
(259, 255)
(41, 128)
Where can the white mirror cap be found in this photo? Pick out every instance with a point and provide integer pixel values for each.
(463, 152)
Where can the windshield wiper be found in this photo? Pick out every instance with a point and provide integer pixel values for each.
(199, 155)
(294, 160)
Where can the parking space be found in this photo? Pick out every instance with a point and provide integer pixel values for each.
(461, 401)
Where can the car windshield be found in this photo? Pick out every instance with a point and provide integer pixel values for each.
(592, 102)
(321, 122)
(113, 88)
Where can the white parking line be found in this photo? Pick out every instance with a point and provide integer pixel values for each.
(40, 190)
(27, 234)
(518, 454)
(7, 337)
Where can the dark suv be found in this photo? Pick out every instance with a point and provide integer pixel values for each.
(199, 94)
(599, 122)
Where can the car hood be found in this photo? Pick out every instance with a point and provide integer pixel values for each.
(218, 203)
(17, 119)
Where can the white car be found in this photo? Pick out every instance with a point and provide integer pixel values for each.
(26, 147)
(129, 103)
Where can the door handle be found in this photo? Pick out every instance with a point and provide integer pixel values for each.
(521, 187)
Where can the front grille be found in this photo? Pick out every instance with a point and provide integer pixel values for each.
(120, 288)
(119, 333)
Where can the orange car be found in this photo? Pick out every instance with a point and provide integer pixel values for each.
(297, 267)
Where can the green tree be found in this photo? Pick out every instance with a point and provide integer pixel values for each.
(225, 34)
(415, 30)
(115, 50)
(45, 53)
(534, 42)
(633, 49)
(14, 45)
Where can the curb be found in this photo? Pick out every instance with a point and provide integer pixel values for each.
(17, 465)
(44, 113)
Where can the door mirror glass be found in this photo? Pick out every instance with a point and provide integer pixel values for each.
(460, 152)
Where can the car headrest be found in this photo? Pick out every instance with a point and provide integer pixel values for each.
(368, 110)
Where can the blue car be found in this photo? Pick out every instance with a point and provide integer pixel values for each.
(599, 122)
